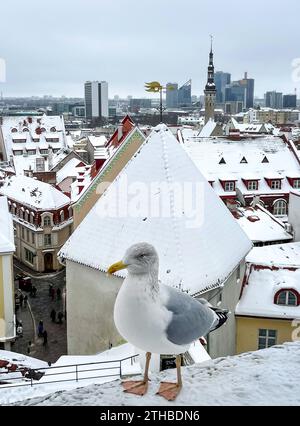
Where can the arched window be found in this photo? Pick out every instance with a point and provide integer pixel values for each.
(47, 221)
(287, 298)
(62, 216)
(280, 208)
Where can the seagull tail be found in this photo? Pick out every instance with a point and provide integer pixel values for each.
(222, 316)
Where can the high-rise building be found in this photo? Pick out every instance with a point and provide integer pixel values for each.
(274, 100)
(290, 101)
(172, 95)
(221, 80)
(241, 91)
(185, 95)
(96, 99)
(210, 89)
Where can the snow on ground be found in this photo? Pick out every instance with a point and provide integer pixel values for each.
(256, 378)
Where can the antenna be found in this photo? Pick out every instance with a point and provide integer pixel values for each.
(211, 42)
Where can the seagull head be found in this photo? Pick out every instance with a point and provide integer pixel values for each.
(140, 258)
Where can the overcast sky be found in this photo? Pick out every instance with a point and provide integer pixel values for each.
(52, 47)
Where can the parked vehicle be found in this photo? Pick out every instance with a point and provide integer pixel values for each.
(25, 283)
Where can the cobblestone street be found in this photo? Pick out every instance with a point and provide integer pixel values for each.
(40, 307)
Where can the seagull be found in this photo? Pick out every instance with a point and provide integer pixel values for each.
(157, 318)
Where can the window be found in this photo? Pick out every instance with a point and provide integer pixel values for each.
(31, 151)
(244, 160)
(266, 338)
(287, 298)
(47, 221)
(17, 152)
(276, 184)
(229, 186)
(62, 216)
(280, 208)
(22, 233)
(47, 239)
(297, 183)
(44, 151)
(29, 256)
(27, 235)
(32, 238)
(253, 185)
(222, 161)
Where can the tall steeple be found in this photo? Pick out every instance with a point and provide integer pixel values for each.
(210, 88)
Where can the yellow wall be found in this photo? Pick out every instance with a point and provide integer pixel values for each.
(247, 332)
(1, 290)
(116, 165)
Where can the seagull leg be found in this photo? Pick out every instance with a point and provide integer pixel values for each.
(170, 391)
(139, 387)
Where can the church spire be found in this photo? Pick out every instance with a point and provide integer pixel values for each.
(210, 88)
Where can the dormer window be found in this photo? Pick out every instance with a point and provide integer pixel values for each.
(252, 185)
(25, 129)
(296, 184)
(222, 161)
(229, 186)
(53, 129)
(287, 297)
(14, 130)
(275, 184)
(244, 161)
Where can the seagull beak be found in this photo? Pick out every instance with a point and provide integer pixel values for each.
(116, 267)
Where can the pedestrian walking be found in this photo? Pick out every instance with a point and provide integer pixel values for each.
(53, 315)
(58, 293)
(52, 293)
(45, 337)
(60, 317)
(50, 290)
(40, 329)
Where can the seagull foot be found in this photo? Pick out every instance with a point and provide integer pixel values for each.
(135, 387)
(169, 391)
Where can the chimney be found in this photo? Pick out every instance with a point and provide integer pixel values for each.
(120, 131)
(246, 75)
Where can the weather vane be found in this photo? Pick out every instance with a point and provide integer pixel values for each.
(156, 87)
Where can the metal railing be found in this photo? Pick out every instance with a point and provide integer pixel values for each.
(76, 371)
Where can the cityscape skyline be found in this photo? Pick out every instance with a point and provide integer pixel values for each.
(90, 47)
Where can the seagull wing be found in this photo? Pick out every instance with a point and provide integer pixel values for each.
(190, 319)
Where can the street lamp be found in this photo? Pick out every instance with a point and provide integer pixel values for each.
(156, 87)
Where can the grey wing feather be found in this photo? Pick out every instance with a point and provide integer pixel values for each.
(191, 319)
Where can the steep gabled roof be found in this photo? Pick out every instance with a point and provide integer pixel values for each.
(193, 257)
(6, 228)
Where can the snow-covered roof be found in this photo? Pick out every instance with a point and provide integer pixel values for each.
(270, 269)
(266, 157)
(270, 377)
(279, 255)
(33, 193)
(208, 129)
(261, 226)
(42, 131)
(98, 141)
(107, 231)
(6, 228)
(70, 169)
